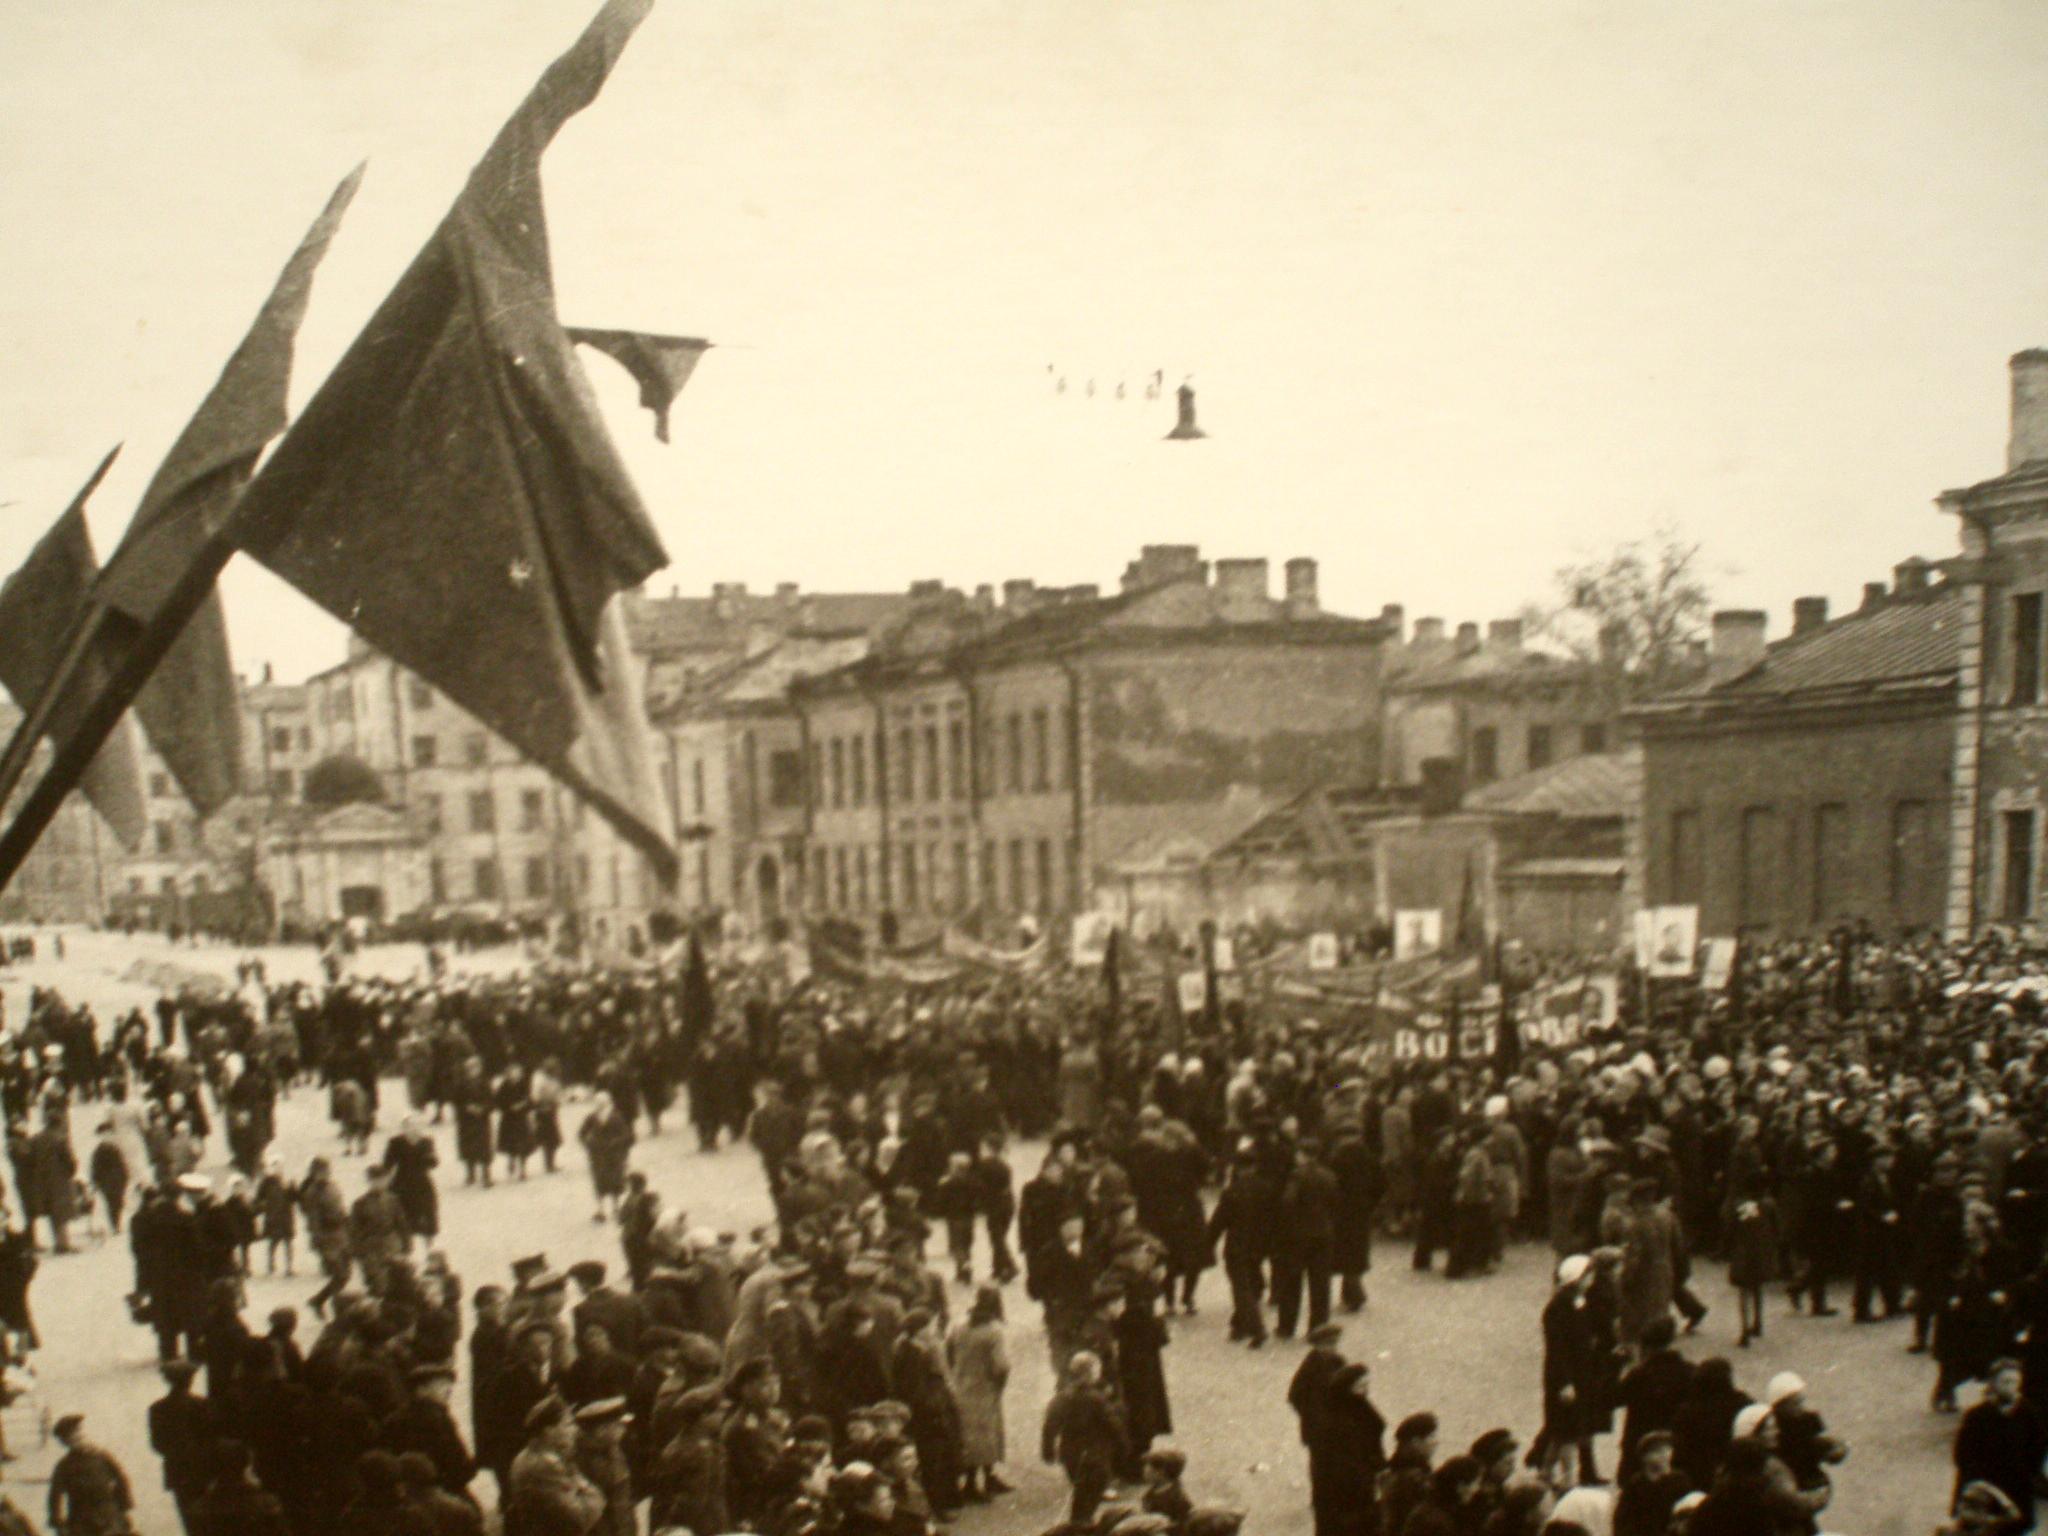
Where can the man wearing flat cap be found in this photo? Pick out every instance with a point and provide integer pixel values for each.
(89, 1493)
(548, 1492)
(688, 1482)
(601, 1456)
(424, 1424)
(183, 1433)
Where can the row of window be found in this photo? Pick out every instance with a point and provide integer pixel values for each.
(476, 750)
(1020, 875)
(1020, 755)
(1542, 744)
(1769, 847)
(483, 811)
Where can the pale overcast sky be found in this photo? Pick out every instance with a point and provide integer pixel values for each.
(1467, 287)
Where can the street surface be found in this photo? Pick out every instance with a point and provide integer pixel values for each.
(1468, 1350)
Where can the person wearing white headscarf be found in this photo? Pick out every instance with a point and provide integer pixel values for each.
(1592, 1508)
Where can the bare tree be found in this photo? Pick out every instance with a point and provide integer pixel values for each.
(1634, 612)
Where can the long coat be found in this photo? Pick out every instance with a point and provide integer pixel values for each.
(412, 1160)
(1570, 1359)
(981, 1367)
(608, 1138)
(1140, 1336)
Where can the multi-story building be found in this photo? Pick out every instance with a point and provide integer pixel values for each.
(1001, 760)
(1494, 706)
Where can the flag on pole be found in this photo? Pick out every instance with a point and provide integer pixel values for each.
(41, 607)
(660, 365)
(189, 707)
(451, 493)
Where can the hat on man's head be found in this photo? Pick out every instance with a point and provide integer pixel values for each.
(1494, 1444)
(69, 1424)
(587, 1272)
(699, 1401)
(606, 1410)
(525, 1269)
(549, 1413)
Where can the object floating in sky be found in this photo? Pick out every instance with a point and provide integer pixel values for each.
(1185, 430)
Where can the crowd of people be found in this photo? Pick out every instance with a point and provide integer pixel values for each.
(1851, 1114)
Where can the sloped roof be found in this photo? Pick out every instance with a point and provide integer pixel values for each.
(1413, 670)
(1595, 785)
(1909, 639)
(656, 624)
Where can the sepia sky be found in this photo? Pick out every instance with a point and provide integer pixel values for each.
(1467, 288)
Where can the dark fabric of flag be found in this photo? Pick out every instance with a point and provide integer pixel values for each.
(41, 605)
(660, 365)
(451, 494)
(189, 706)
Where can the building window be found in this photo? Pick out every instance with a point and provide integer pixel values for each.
(281, 739)
(1013, 729)
(1758, 879)
(160, 786)
(1830, 860)
(1593, 738)
(422, 695)
(1539, 746)
(280, 781)
(1018, 900)
(697, 785)
(486, 879)
(483, 811)
(704, 877)
(1684, 868)
(785, 778)
(909, 871)
(932, 780)
(820, 891)
(1915, 864)
(858, 770)
(166, 837)
(1041, 751)
(430, 812)
(906, 769)
(838, 751)
(842, 889)
(536, 878)
(935, 894)
(533, 809)
(476, 749)
(1045, 885)
(437, 879)
(2026, 648)
(860, 878)
(305, 738)
(1485, 755)
(990, 896)
(423, 751)
(963, 877)
(2016, 902)
(956, 761)
(814, 759)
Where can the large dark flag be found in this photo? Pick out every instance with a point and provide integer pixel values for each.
(41, 608)
(189, 706)
(660, 365)
(451, 492)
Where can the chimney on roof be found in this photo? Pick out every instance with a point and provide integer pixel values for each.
(785, 593)
(1020, 593)
(1910, 576)
(1504, 635)
(929, 587)
(267, 673)
(1738, 640)
(1083, 592)
(1808, 614)
(1468, 638)
(1395, 617)
(1241, 590)
(1873, 596)
(2029, 439)
(1429, 632)
(1303, 600)
(985, 598)
(726, 597)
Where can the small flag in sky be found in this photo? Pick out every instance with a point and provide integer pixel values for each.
(40, 608)
(451, 492)
(660, 365)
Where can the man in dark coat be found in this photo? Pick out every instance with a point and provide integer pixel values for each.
(1308, 1392)
(2001, 1441)
(182, 1432)
(235, 1504)
(1245, 1217)
(1084, 1435)
(1354, 1159)
(1063, 1282)
(424, 1424)
(1347, 1456)
(1652, 1389)
(1304, 1248)
(621, 1316)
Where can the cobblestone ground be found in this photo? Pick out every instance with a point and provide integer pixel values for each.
(1469, 1350)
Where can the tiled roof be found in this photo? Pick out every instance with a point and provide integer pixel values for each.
(1907, 640)
(1595, 785)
